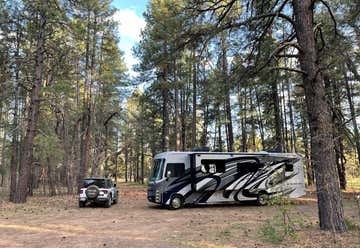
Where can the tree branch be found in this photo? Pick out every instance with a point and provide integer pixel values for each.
(289, 69)
(331, 15)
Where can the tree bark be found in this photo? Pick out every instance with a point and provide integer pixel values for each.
(15, 126)
(177, 108)
(228, 116)
(308, 162)
(218, 124)
(194, 105)
(165, 112)
(330, 206)
(3, 150)
(86, 116)
(353, 117)
(278, 139)
(50, 177)
(33, 111)
(260, 120)
(204, 134)
(243, 108)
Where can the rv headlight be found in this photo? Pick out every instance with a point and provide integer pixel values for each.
(157, 196)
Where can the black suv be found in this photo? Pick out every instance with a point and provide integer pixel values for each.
(98, 190)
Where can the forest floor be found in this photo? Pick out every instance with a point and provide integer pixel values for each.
(133, 222)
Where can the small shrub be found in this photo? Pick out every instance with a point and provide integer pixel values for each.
(270, 234)
(351, 226)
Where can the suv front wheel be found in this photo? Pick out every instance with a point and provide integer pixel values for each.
(108, 203)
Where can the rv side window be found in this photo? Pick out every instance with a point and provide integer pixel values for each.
(248, 166)
(289, 167)
(212, 166)
(175, 170)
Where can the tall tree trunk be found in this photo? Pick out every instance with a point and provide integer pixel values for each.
(204, 134)
(126, 162)
(353, 117)
(67, 151)
(3, 150)
(165, 112)
(194, 105)
(279, 144)
(142, 159)
(33, 111)
(334, 98)
(183, 120)
(86, 116)
(177, 108)
(283, 118)
(243, 109)
(308, 162)
(218, 125)
(330, 206)
(50, 177)
(260, 119)
(292, 123)
(252, 119)
(15, 125)
(228, 117)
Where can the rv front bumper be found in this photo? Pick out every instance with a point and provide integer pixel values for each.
(154, 196)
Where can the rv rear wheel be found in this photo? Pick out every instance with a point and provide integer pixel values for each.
(176, 202)
(262, 199)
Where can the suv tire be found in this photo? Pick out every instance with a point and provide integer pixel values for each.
(92, 192)
(81, 204)
(108, 203)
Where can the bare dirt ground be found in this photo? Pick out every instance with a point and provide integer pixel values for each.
(133, 222)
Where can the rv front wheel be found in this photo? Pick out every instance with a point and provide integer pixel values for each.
(262, 199)
(176, 202)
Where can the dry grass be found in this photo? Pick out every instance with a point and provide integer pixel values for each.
(58, 222)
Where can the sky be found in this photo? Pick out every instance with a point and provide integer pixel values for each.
(131, 21)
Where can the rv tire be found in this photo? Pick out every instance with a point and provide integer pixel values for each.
(262, 198)
(176, 202)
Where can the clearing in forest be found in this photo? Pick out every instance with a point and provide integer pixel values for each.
(133, 222)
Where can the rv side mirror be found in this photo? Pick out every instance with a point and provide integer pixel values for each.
(168, 174)
(114, 184)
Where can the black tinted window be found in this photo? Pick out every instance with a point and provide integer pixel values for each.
(175, 170)
(213, 166)
(101, 183)
(289, 167)
(248, 166)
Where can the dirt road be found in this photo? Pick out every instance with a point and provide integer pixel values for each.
(58, 222)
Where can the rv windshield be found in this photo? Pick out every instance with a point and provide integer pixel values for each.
(157, 170)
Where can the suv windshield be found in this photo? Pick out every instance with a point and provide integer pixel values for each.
(157, 170)
(101, 183)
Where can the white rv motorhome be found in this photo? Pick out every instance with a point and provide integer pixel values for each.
(179, 178)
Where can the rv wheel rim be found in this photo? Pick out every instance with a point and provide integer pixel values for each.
(176, 202)
(262, 199)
